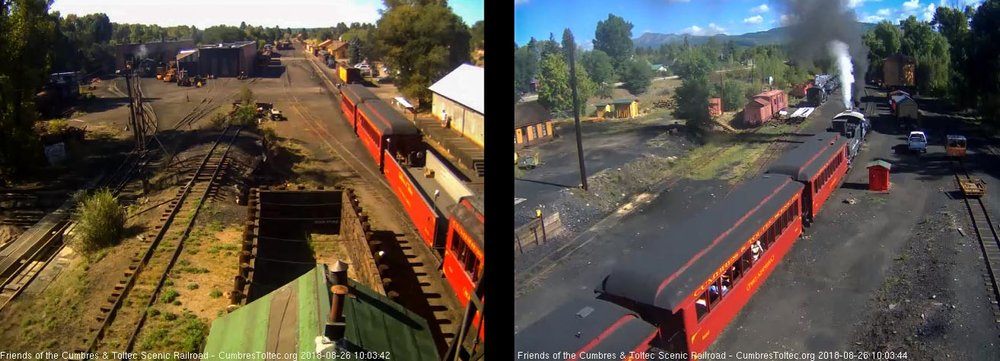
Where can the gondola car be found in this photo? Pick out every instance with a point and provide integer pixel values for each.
(819, 163)
(692, 281)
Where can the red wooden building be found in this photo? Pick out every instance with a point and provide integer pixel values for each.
(878, 176)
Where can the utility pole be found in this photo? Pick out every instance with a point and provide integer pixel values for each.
(576, 116)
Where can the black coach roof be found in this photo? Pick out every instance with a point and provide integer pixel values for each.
(356, 93)
(672, 265)
(807, 160)
(469, 213)
(388, 120)
(574, 324)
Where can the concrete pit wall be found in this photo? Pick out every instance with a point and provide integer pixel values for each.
(275, 248)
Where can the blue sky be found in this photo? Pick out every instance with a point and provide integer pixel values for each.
(284, 13)
(537, 18)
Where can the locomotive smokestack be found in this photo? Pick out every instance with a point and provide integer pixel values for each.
(814, 24)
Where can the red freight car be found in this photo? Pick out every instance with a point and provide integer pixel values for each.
(820, 164)
(383, 130)
(583, 329)
(801, 89)
(763, 106)
(425, 216)
(696, 277)
(351, 96)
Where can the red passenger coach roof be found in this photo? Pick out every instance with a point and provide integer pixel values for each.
(356, 93)
(806, 161)
(675, 262)
(587, 325)
(388, 120)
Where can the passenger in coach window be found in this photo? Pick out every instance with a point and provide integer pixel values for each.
(755, 249)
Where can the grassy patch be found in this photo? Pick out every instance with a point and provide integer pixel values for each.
(185, 333)
(169, 295)
(215, 293)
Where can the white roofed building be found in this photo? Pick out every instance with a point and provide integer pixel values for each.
(460, 97)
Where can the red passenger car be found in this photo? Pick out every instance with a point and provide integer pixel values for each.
(584, 328)
(692, 280)
(463, 255)
(382, 129)
(820, 164)
(352, 95)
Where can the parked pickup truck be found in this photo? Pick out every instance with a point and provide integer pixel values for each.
(917, 142)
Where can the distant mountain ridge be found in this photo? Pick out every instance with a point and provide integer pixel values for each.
(767, 37)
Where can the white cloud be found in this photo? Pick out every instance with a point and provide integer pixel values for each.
(519, 2)
(712, 29)
(884, 12)
(756, 19)
(759, 9)
(873, 18)
(911, 5)
(929, 12)
(854, 3)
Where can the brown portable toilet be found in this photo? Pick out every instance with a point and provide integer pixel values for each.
(878, 176)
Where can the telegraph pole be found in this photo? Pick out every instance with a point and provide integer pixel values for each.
(576, 115)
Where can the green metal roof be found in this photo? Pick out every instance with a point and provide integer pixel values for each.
(623, 101)
(289, 319)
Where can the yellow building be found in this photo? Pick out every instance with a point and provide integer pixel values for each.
(532, 123)
(618, 108)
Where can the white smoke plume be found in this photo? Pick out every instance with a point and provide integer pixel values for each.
(142, 52)
(839, 51)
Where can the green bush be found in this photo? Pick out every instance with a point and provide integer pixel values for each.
(100, 221)
(192, 286)
(215, 294)
(169, 296)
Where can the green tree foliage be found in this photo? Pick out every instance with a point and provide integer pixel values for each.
(367, 44)
(614, 37)
(692, 103)
(637, 75)
(554, 90)
(477, 35)
(27, 36)
(354, 51)
(931, 52)
(733, 94)
(222, 34)
(694, 68)
(882, 41)
(423, 42)
(953, 24)
(525, 69)
(599, 66)
(100, 221)
(983, 70)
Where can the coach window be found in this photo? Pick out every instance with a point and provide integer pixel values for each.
(701, 305)
(471, 265)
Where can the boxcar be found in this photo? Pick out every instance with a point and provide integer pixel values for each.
(351, 96)
(820, 164)
(693, 279)
(584, 326)
(383, 130)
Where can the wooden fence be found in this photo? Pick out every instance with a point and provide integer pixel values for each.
(537, 232)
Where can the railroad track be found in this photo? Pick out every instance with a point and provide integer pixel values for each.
(986, 233)
(375, 185)
(122, 317)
